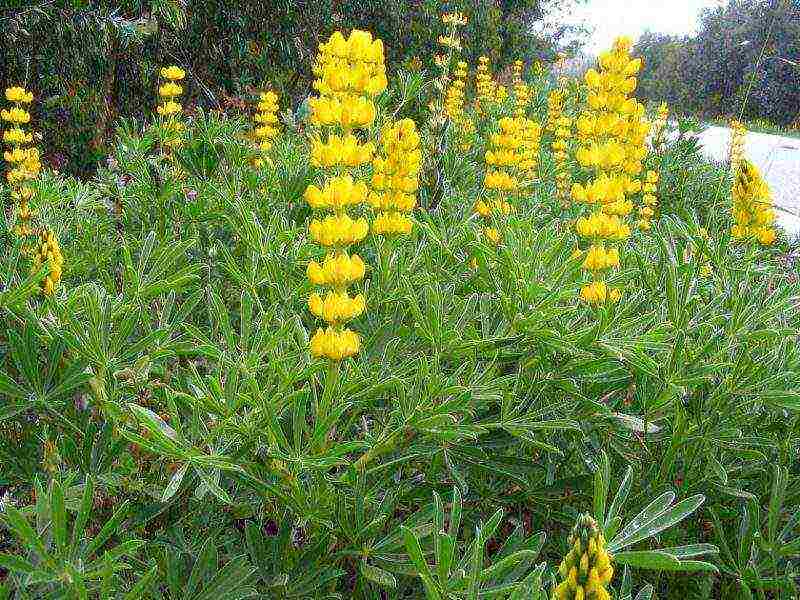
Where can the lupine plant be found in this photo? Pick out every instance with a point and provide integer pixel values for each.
(171, 426)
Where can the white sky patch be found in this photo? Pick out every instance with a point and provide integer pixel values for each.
(611, 18)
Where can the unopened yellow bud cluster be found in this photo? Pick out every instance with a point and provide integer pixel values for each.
(649, 200)
(350, 72)
(23, 160)
(455, 19)
(563, 175)
(516, 70)
(395, 178)
(454, 99)
(463, 127)
(266, 123)
(555, 109)
(486, 86)
(613, 136)
(752, 206)
(169, 108)
(736, 148)
(660, 126)
(586, 570)
(48, 252)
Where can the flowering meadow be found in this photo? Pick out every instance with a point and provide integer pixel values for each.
(483, 332)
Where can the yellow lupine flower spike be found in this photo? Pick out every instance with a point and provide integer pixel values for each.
(586, 570)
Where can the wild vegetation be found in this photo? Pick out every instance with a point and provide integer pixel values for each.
(450, 338)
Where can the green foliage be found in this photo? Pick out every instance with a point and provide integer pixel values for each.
(167, 394)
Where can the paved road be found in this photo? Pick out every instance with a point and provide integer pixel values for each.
(778, 158)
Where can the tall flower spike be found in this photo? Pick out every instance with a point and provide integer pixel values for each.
(613, 134)
(349, 72)
(462, 127)
(501, 182)
(753, 214)
(563, 135)
(23, 160)
(586, 570)
(486, 87)
(736, 148)
(266, 124)
(169, 109)
(48, 252)
(395, 178)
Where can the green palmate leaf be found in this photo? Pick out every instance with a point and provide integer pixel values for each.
(19, 525)
(108, 530)
(59, 516)
(602, 477)
(646, 593)
(84, 512)
(619, 497)
(174, 483)
(210, 482)
(690, 550)
(414, 550)
(647, 559)
(15, 564)
(232, 581)
(377, 575)
(656, 517)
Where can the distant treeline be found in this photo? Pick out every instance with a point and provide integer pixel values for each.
(749, 48)
(91, 62)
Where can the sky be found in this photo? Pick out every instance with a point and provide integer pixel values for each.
(611, 18)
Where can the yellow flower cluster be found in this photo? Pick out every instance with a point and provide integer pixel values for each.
(563, 133)
(337, 194)
(48, 252)
(345, 151)
(335, 231)
(23, 160)
(485, 85)
(613, 136)
(516, 70)
(531, 141)
(752, 206)
(350, 72)
(266, 123)
(452, 42)
(454, 99)
(555, 109)
(455, 19)
(169, 108)
(338, 270)
(660, 126)
(395, 178)
(736, 148)
(600, 226)
(586, 570)
(335, 343)
(503, 157)
(649, 200)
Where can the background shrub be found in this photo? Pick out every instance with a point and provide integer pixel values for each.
(94, 62)
(712, 72)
